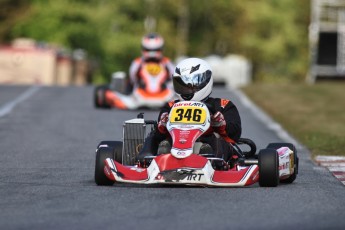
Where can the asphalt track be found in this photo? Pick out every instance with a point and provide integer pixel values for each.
(47, 154)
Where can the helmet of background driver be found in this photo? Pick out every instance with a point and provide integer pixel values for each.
(193, 80)
(152, 46)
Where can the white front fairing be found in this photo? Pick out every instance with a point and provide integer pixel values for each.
(188, 120)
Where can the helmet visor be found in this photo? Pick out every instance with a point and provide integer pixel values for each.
(189, 84)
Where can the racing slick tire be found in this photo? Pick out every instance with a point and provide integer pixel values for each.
(268, 168)
(99, 97)
(290, 179)
(102, 153)
(117, 149)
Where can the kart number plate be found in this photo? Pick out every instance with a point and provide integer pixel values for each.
(153, 68)
(188, 114)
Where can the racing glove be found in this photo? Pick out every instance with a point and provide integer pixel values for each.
(163, 123)
(218, 123)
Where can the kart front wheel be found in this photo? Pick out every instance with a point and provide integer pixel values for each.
(293, 176)
(99, 96)
(268, 168)
(117, 149)
(102, 153)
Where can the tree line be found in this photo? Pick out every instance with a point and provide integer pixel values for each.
(272, 34)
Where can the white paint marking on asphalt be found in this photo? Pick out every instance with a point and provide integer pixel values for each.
(7, 108)
(334, 164)
(336, 168)
(340, 176)
(262, 116)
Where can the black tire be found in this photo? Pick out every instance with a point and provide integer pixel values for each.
(102, 153)
(268, 168)
(276, 146)
(117, 149)
(99, 96)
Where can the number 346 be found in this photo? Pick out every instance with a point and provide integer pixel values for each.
(188, 115)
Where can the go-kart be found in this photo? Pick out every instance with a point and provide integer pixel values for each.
(116, 161)
(151, 92)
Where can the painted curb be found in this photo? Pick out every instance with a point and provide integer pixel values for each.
(335, 164)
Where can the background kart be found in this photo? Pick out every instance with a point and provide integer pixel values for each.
(152, 90)
(116, 160)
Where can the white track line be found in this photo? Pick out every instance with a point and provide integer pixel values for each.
(7, 108)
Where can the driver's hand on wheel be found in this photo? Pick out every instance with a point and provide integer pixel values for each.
(163, 123)
(218, 123)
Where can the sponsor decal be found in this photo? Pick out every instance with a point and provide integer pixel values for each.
(182, 104)
(184, 135)
(188, 103)
(180, 153)
(284, 166)
(137, 169)
(182, 141)
(178, 175)
(198, 104)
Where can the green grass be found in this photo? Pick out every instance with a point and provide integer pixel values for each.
(313, 114)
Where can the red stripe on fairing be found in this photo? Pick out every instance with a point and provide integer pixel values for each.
(131, 173)
(254, 177)
(236, 176)
(169, 162)
(107, 171)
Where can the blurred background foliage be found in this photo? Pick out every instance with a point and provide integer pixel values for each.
(272, 34)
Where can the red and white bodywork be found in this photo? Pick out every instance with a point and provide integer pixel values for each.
(188, 120)
(194, 170)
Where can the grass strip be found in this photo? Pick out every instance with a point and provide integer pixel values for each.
(313, 114)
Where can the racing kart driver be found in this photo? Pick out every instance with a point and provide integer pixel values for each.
(152, 52)
(193, 81)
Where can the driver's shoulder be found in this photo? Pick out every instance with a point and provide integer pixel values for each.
(219, 102)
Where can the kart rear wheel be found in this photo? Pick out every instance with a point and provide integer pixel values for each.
(276, 146)
(268, 168)
(102, 153)
(99, 96)
(117, 148)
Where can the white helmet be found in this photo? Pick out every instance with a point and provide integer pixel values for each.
(193, 79)
(152, 46)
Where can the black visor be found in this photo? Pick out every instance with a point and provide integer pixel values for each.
(156, 50)
(189, 84)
